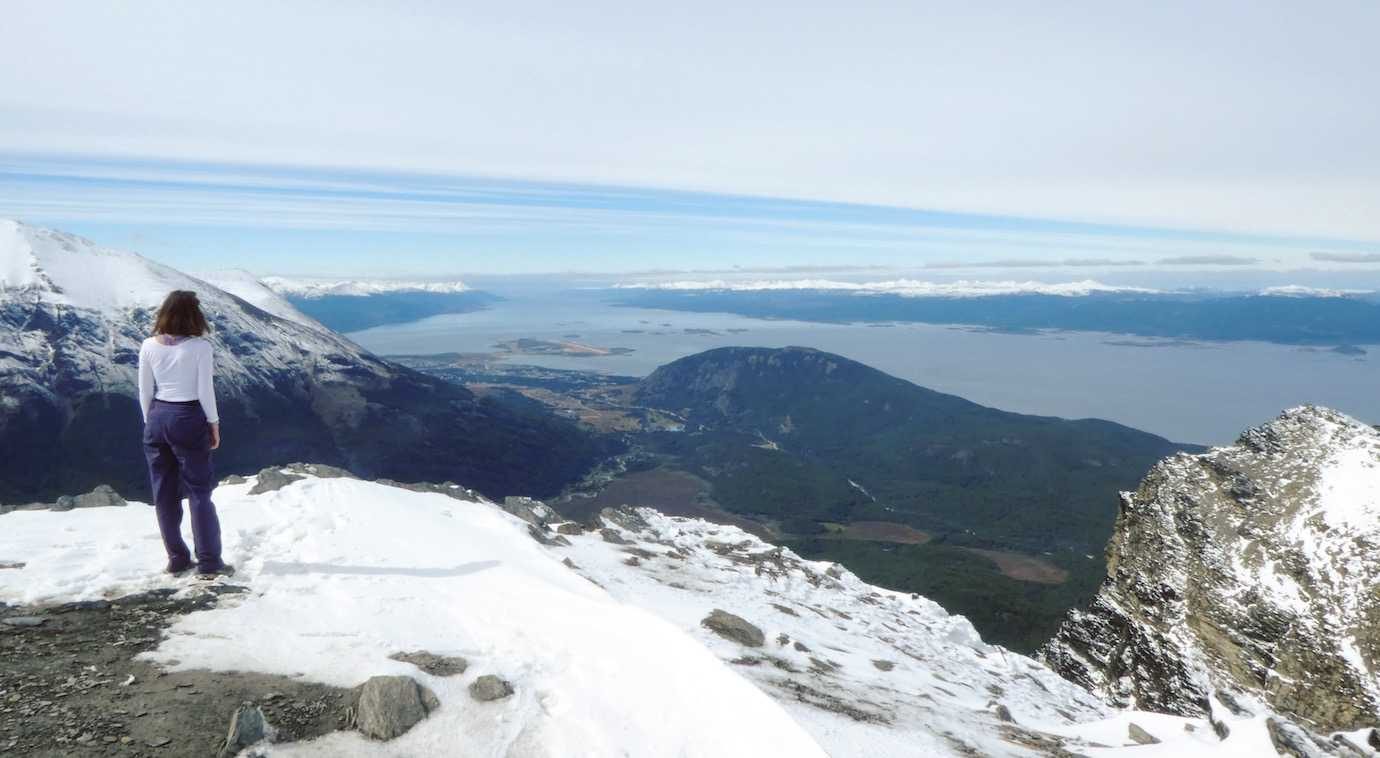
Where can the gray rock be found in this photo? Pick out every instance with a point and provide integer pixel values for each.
(1291, 740)
(319, 470)
(104, 496)
(546, 538)
(884, 665)
(233, 479)
(24, 621)
(12, 565)
(436, 665)
(247, 727)
(489, 687)
(628, 518)
(1374, 738)
(1140, 736)
(534, 512)
(569, 527)
(612, 536)
(1003, 713)
(271, 479)
(734, 628)
(388, 706)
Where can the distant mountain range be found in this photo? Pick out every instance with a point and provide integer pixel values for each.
(811, 441)
(350, 305)
(1288, 315)
(72, 315)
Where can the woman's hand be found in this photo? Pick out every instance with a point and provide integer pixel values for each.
(215, 436)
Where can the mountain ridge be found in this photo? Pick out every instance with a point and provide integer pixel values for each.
(1243, 578)
(72, 316)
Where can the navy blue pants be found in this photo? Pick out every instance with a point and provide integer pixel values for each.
(177, 445)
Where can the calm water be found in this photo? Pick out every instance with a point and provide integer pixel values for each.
(1200, 392)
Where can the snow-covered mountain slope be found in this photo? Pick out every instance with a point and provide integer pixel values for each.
(72, 317)
(249, 288)
(1245, 578)
(315, 288)
(604, 638)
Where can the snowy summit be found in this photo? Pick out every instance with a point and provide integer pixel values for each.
(640, 635)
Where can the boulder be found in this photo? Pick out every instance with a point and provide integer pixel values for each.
(233, 479)
(1003, 713)
(1139, 735)
(569, 527)
(247, 727)
(101, 497)
(436, 665)
(625, 517)
(271, 479)
(734, 628)
(546, 538)
(489, 687)
(612, 536)
(534, 512)
(388, 706)
(883, 665)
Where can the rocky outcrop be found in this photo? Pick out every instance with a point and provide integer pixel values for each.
(1244, 579)
(103, 496)
(735, 628)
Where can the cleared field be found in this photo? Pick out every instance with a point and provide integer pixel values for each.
(1022, 567)
(882, 531)
(673, 492)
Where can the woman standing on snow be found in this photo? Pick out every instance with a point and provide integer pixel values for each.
(181, 428)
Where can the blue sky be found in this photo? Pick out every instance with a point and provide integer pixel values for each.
(447, 137)
(295, 220)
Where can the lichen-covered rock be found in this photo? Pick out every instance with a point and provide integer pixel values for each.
(734, 628)
(534, 512)
(436, 665)
(271, 479)
(388, 706)
(1247, 573)
(247, 727)
(489, 687)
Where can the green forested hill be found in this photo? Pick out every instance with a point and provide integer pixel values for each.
(807, 441)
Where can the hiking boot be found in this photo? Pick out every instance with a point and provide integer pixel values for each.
(178, 568)
(224, 570)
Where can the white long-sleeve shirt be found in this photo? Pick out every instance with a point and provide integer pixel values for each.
(177, 373)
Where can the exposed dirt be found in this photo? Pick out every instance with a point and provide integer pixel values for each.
(70, 686)
(884, 531)
(1022, 567)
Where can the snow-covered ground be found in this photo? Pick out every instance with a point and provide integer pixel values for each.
(608, 656)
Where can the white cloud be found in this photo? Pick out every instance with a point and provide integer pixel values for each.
(1240, 116)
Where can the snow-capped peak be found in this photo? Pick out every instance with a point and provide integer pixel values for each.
(315, 288)
(65, 269)
(249, 288)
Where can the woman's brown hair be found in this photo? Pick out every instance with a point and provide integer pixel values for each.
(180, 315)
